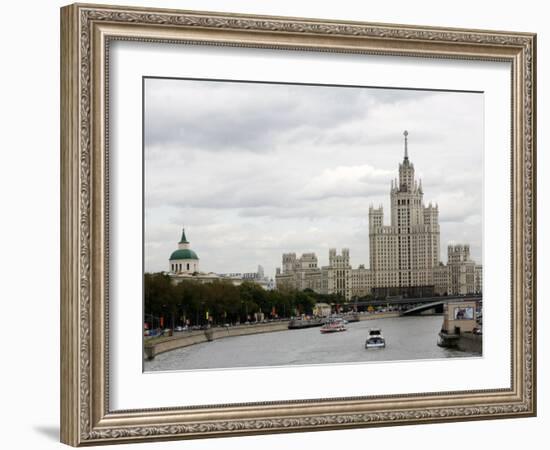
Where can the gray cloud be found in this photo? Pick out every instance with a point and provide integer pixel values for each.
(255, 116)
(254, 170)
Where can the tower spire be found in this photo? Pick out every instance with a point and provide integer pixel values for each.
(183, 239)
(406, 133)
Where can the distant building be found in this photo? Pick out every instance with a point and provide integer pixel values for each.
(322, 310)
(478, 279)
(404, 253)
(461, 275)
(184, 265)
(299, 273)
(337, 273)
(362, 282)
(184, 260)
(337, 278)
(253, 277)
(442, 279)
(461, 270)
(404, 256)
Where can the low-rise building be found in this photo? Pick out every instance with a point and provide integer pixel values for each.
(337, 278)
(478, 279)
(441, 279)
(322, 310)
(461, 270)
(299, 273)
(362, 282)
(183, 265)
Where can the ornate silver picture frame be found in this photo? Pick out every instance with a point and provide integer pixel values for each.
(87, 34)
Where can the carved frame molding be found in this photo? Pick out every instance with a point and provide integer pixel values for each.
(86, 31)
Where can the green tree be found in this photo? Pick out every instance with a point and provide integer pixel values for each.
(254, 298)
(305, 302)
(159, 296)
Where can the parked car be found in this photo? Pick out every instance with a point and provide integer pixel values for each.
(153, 333)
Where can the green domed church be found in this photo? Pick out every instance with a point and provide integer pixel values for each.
(184, 260)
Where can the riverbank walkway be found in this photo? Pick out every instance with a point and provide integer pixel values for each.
(157, 345)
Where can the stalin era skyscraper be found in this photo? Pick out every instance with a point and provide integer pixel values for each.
(405, 253)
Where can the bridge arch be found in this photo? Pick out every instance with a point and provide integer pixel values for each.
(438, 306)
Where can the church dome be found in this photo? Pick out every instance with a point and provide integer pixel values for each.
(183, 253)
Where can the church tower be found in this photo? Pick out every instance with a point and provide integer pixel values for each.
(184, 260)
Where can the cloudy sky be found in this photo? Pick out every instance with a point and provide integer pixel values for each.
(255, 170)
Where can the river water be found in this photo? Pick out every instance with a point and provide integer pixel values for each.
(407, 338)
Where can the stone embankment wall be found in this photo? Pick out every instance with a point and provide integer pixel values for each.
(186, 339)
(471, 343)
(384, 315)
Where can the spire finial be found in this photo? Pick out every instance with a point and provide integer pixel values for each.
(183, 239)
(406, 133)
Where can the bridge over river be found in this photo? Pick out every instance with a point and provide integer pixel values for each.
(415, 306)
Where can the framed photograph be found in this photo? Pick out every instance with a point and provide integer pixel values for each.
(276, 224)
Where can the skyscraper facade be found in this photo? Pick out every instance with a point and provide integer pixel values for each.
(404, 253)
(404, 256)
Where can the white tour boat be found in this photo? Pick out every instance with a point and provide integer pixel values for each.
(375, 339)
(333, 325)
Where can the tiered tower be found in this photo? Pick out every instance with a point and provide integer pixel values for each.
(404, 253)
